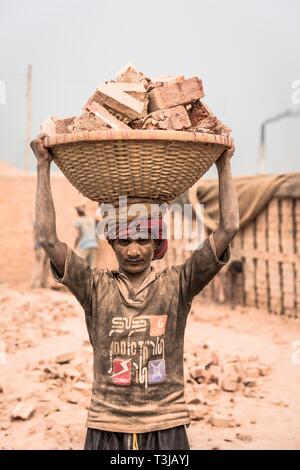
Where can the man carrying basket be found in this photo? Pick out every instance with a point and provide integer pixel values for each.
(136, 318)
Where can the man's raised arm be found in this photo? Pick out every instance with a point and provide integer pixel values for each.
(228, 203)
(44, 208)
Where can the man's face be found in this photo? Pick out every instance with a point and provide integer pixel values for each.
(134, 256)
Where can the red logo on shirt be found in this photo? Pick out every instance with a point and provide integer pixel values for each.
(121, 371)
(158, 325)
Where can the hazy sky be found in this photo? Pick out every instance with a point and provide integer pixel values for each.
(246, 52)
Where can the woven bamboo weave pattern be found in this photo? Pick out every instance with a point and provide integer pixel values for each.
(105, 165)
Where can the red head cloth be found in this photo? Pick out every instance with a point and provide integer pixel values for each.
(154, 227)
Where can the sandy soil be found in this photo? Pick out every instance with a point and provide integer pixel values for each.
(36, 326)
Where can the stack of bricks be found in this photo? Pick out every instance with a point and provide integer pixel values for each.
(249, 266)
(262, 280)
(275, 273)
(297, 249)
(288, 269)
(269, 249)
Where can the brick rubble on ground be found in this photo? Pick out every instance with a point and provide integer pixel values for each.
(207, 376)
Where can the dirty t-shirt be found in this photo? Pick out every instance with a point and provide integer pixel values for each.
(137, 339)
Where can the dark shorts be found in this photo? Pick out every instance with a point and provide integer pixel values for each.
(166, 439)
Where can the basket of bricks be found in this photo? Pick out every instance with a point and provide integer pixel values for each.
(138, 137)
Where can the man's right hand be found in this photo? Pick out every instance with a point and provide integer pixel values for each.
(40, 151)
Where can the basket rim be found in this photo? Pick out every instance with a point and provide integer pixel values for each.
(137, 134)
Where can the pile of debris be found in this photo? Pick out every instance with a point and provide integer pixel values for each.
(68, 376)
(208, 378)
(27, 318)
(134, 101)
(73, 374)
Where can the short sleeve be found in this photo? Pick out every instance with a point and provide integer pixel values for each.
(78, 277)
(201, 267)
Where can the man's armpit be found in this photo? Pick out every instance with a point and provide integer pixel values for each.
(224, 258)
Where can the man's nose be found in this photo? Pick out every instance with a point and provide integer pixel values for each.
(133, 250)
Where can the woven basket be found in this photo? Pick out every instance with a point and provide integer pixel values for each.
(156, 166)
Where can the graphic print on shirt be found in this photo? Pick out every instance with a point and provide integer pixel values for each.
(156, 371)
(137, 360)
(121, 371)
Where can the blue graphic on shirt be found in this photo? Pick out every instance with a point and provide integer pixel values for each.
(156, 371)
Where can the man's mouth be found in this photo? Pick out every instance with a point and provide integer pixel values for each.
(136, 261)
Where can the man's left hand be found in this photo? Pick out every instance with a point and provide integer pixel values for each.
(225, 157)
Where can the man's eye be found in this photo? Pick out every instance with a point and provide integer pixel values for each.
(143, 241)
(123, 242)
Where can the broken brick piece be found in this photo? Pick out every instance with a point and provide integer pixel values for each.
(112, 97)
(173, 118)
(198, 112)
(22, 411)
(99, 111)
(130, 75)
(81, 386)
(198, 412)
(164, 80)
(197, 372)
(53, 125)
(87, 122)
(219, 420)
(62, 125)
(175, 94)
(230, 382)
(64, 358)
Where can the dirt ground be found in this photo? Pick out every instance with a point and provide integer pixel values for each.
(37, 326)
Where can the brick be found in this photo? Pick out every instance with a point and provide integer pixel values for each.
(109, 96)
(136, 90)
(244, 437)
(207, 357)
(175, 94)
(87, 122)
(168, 79)
(65, 358)
(81, 386)
(219, 420)
(197, 372)
(253, 372)
(62, 125)
(99, 111)
(165, 80)
(198, 112)
(249, 382)
(128, 74)
(53, 125)
(193, 398)
(71, 373)
(173, 118)
(129, 87)
(230, 382)
(198, 412)
(74, 398)
(22, 411)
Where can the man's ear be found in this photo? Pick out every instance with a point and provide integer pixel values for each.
(112, 243)
(155, 244)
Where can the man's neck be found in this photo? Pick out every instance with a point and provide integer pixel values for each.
(136, 279)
